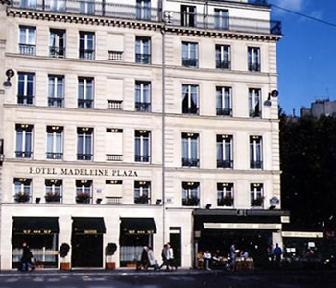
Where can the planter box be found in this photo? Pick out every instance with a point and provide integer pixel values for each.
(110, 265)
(65, 266)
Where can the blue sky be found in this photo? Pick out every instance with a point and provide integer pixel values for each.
(306, 53)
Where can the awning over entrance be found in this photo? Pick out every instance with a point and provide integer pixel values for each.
(35, 225)
(138, 225)
(88, 225)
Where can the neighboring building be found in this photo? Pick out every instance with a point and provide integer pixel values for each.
(319, 108)
(93, 154)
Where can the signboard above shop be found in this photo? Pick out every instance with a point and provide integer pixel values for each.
(82, 172)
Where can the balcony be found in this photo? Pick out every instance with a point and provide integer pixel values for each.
(142, 58)
(223, 111)
(56, 52)
(192, 201)
(85, 103)
(190, 63)
(87, 54)
(138, 158)
(114, 104)
(25, 100)
(92, 8)
(215, 22)
(112, 157)
(257, 164)
(190, 162)
(55, 102)
(23, 154)
(190, 110)
(27, 49)
(223, 65)
(56, 156)
(115, 55)
(224, 163)
(254, 67)
(142, 107)
(84, 157)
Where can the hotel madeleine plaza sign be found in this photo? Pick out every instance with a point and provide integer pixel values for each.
(82, 172)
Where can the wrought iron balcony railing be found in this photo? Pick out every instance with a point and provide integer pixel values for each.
(85, 103)
(142, 107)
(224, 111)
(55, 102)
(257, 164)
(54, 155)
(138, 158)
(56, 52)
(171, 18)
(215, 22)
(23, 154)
(190, 162)
(189, 62)
(27, 49)
(25, 100)
(143, 58)
(84, 157)
(223, 64)
(192, 201)
(224, 163)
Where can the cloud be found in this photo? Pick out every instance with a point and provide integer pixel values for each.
(296, 5)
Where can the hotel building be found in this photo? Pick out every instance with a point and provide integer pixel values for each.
(137, 123)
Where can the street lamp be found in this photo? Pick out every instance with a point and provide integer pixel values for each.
(9, 73)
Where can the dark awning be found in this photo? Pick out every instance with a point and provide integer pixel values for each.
(88, 225)
(35, 225)
(137, 225)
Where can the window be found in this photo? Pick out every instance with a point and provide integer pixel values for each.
(190, 151)
(188, 16)
(114, 144)
(113, 191)
(85, 143)
(56, 91)
(83, 191)
(224, 151)
(86, 45)
(190, 193)
(223, 57)
(24, 141)
(57, 43)
(27, 38)
(143, 9)
(190, 99)
(143, 50)
(142, 192)
(257, 194)
(142, 146)
(221, 19)
(54, 142)
(28, 4)
(256, 152)
(22, 190)
(254, 59)
(225, 194)
(53, 191)
(223, 101)
(143, 96)
(26, 88)
(56, 5)
(87, 7)
(255, 102)
(189, 54)
(85, 92)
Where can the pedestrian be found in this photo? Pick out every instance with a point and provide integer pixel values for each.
(26, 258)
(164, 256)
(151, 259)
(171, 259)
(277, 252)
(233, 256)
(207, 260)
(144, 261)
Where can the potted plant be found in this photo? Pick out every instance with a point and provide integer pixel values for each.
(22, 197)
(111, 248)
(65, 263)
(83, 198)
(226, 201)
(257, 202)
(52, 197)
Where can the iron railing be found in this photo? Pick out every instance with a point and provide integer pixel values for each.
(114, 104)
(224, 163)
(256, 164)
(171, 18)
(190, 162)
(142, 106)
(224, 111)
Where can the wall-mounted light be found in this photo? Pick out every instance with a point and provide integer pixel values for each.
(207, 206)
(9, 73)
(274, 94)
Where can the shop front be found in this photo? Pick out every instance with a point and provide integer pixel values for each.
(135, 233)
(250, 231)
(87, 242)
(41, 235)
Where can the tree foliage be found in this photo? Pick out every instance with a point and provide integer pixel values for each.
(308, 164)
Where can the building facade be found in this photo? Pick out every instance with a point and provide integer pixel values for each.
(319, 108)
(137, 124)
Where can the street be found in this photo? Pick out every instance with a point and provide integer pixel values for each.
(183, 279)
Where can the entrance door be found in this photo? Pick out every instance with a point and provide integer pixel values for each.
(175, 242)
(87, 250)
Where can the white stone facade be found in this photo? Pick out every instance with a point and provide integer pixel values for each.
(116, 80)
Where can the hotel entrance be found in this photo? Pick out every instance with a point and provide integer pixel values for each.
(87, 242)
